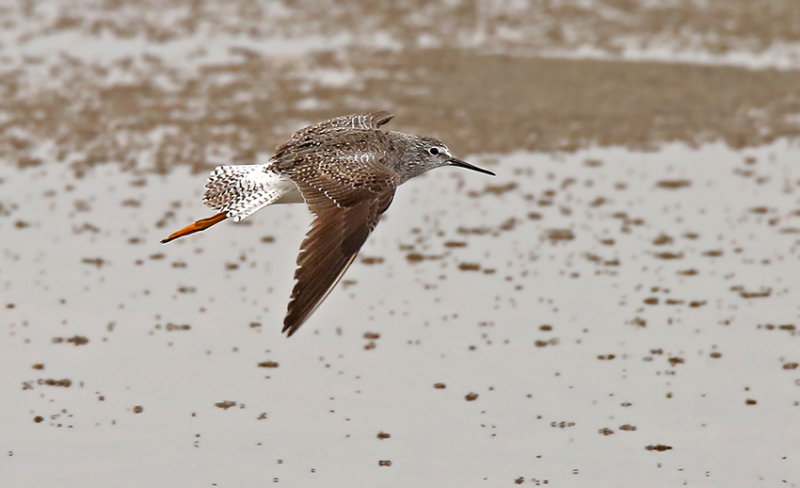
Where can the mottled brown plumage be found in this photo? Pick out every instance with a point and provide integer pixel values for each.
(346, 170)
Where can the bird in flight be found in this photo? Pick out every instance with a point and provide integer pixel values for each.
(346, 170)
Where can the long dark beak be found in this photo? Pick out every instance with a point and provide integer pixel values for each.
(464, 164)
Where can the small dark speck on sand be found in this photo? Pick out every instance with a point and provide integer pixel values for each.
(560, 235)
(756, 294)
(673, 184)
(455, 244)
(658, 447)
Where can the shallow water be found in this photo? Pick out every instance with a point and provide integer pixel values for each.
(600, 305)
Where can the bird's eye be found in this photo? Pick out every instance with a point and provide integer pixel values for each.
(433, 151)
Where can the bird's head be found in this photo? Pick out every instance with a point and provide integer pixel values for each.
(426, 153)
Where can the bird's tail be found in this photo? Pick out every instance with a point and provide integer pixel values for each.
(241, 190)
(238, 191)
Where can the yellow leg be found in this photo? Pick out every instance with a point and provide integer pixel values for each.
(201, 224)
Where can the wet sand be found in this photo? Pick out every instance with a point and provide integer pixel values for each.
(616, 307)
(152, 102)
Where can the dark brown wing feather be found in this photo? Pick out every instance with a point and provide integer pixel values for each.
(347, 205)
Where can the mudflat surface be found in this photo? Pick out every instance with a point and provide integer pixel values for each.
(617, 307)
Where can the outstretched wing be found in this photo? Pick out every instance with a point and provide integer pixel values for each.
(347, 200)
(371, 120)
(309, 136)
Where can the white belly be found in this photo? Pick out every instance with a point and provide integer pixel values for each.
(289, 192)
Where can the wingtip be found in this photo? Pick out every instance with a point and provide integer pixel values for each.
(381, 117)
(289, 329)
